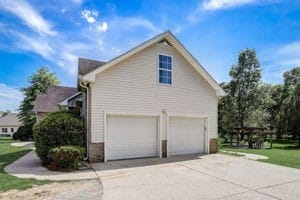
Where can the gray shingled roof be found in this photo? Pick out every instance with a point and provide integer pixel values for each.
(10, 119)
(87, 65)
(48, 102)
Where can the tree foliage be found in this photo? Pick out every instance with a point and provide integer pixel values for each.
(57, 129)
(245, 78)
(250, 102)
(4, 113)
(39, 82)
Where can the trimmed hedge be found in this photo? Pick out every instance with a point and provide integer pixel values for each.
(24, 133)
(57, 129)
(65, 157)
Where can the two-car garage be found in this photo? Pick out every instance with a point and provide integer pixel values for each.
(139, 136)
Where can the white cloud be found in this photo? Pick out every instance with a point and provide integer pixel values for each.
(140, 22)
(277, 60)
(28, 15)
(36, 45)
(102, 27)
(77, 1)
(221, 4)
(10, 97)
(88, 15)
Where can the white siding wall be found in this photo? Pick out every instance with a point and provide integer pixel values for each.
(132, 86)
(8, 130)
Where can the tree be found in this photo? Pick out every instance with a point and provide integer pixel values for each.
(288, 115)
(39, 84)
(227, 116)
(245, 79)
(259, 114)
(3, 113)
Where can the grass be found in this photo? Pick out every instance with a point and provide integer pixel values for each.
(9, 154)
(284, 152)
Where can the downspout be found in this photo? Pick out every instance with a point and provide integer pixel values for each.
(87, 118)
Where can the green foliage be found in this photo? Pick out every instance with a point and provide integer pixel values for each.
(235, 107)
(57, 129)
(66, 157)
(24, 133)
(245, 78)
(251, 103)
(39, 84)
(3, 113)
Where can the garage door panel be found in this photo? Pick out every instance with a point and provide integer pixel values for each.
(186, 135)
(131, 137)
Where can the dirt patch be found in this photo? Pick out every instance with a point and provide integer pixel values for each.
(85, 189)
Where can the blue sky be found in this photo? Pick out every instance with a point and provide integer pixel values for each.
(54, 33)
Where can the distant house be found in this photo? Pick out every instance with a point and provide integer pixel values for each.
(56, 98)
(9, 124)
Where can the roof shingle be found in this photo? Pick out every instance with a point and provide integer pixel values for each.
(10, 119)
(87, 65)
(48, 102)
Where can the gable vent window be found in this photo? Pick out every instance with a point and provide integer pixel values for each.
(165, 69)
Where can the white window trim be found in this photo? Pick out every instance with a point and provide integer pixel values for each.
(172, 71)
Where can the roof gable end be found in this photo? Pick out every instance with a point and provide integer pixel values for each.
(169, 39)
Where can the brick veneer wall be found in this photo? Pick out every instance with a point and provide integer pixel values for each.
(96, 152)
(164, 148)
(213, 145)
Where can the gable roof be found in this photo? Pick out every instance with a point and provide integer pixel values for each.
(10, 119)
(87, 65)
(65, 101)
(49, 101)
(91, 76)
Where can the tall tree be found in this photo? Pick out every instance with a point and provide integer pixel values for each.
(39, 82)
(245, 76)
(288, 116)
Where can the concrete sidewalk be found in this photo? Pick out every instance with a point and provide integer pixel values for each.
(29, 166)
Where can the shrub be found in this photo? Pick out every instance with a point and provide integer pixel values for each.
(57, 129)
(65, 157)
(24, 133)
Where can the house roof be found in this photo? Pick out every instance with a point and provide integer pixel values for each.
(49, 101)
(65, 101)
(87, 65)
(10, 119)
(91, 76)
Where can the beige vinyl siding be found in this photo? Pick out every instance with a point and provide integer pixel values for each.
(131, 86)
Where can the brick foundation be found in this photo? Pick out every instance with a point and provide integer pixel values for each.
(213, 145)
(96, 152)
(164, 148)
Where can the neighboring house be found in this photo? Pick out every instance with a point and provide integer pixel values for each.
(9, 124)
(155, 100)
(57, 98)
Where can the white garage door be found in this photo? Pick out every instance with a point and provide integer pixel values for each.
(186, 135)
(131, 137)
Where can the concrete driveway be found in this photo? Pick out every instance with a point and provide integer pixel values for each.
(214, 176)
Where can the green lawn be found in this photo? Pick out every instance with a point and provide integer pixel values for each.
(9, 154)
(284, 152)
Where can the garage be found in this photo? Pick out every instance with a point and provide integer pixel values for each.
(131, 137)
(186, 135)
